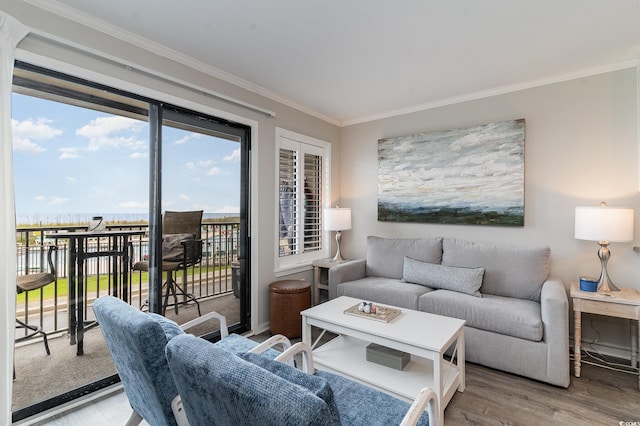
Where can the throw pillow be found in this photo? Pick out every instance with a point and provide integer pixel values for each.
(172, 248)
(314, 384)
(462, 280)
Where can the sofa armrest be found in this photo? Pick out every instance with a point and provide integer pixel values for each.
(348, 271)
(554, 306)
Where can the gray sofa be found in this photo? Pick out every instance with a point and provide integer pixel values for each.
(517, 318)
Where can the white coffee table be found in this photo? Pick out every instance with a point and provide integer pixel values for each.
(425, 336)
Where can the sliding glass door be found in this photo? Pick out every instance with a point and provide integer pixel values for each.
(82, 150)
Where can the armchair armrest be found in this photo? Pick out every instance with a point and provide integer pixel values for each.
(554, 308)
(349, 271)
(224, 331)
(307, 356)
(426, 398)
(272, 341)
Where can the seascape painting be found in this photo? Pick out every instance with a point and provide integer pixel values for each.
(472, 175)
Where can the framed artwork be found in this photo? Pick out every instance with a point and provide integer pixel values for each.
(472, 175)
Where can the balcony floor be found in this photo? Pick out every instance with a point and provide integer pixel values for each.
(40, 377)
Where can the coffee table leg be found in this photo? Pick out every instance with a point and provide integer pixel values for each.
(438, 374)
(306, 331)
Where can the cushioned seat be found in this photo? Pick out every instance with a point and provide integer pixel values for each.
(505, 315)
(217, 388)
(381, 290)
(136, 341)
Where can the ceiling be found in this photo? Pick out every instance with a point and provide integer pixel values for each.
(349, 61)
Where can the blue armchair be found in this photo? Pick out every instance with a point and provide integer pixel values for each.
(245, 389)
(137, 340)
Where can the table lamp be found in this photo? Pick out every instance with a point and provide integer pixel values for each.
(337, 219)
(604, 225)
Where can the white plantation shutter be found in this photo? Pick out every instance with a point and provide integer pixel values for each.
(301, 187)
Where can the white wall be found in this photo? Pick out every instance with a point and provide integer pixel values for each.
(581, 147)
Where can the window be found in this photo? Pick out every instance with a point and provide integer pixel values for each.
(303, 165)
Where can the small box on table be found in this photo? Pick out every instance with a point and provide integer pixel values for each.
(386, 356)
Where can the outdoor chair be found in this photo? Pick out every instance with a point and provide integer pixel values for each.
(220, 388)
(29, 282)
(181, 249)
(137, 340)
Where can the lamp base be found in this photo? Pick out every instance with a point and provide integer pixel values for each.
(338, 256)
(604, 282)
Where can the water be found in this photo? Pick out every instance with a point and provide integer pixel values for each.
(84, 218)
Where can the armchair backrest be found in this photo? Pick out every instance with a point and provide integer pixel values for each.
(137, 342)
(218, 387)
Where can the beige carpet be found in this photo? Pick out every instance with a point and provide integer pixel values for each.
(40, 377)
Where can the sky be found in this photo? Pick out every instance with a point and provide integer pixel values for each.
(70, 160)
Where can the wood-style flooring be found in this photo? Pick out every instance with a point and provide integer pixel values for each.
(599, 397)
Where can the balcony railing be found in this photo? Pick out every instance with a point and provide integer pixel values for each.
(48, 307)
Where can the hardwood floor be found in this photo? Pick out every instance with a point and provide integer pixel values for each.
(491, 397)
(599, 397)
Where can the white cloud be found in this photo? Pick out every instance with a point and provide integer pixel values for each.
(190, 165)
(184, 197)
(24, 132)
(24, 144)
(112, 132)
(235, 155)
(68, 153)
(205, 163)
(39, 198)
(214, 171)
(140, 155)
(71, 180)
(187, 138)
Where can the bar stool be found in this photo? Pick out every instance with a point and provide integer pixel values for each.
(286, 299)
(26, 283)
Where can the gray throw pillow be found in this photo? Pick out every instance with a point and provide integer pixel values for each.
(461, 280)
(172, 248)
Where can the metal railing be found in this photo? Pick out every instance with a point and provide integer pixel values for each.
(216, 274)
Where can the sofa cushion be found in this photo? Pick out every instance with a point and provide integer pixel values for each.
(462, 280)
(509, 271)
(385, 256)
(384, 290)
(503, 315)
(314, 384)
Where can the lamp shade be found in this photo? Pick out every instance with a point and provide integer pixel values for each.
(604, 224)
(337, 219)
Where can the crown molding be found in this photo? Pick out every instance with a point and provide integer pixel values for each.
(499, 90)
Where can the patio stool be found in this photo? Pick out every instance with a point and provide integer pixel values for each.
(286, 299)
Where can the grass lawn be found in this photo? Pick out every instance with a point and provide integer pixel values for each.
(49, 291)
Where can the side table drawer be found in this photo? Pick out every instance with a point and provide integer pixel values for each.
(619, 310)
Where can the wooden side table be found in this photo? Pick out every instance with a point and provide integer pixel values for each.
(321, 277)
(620, 304)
